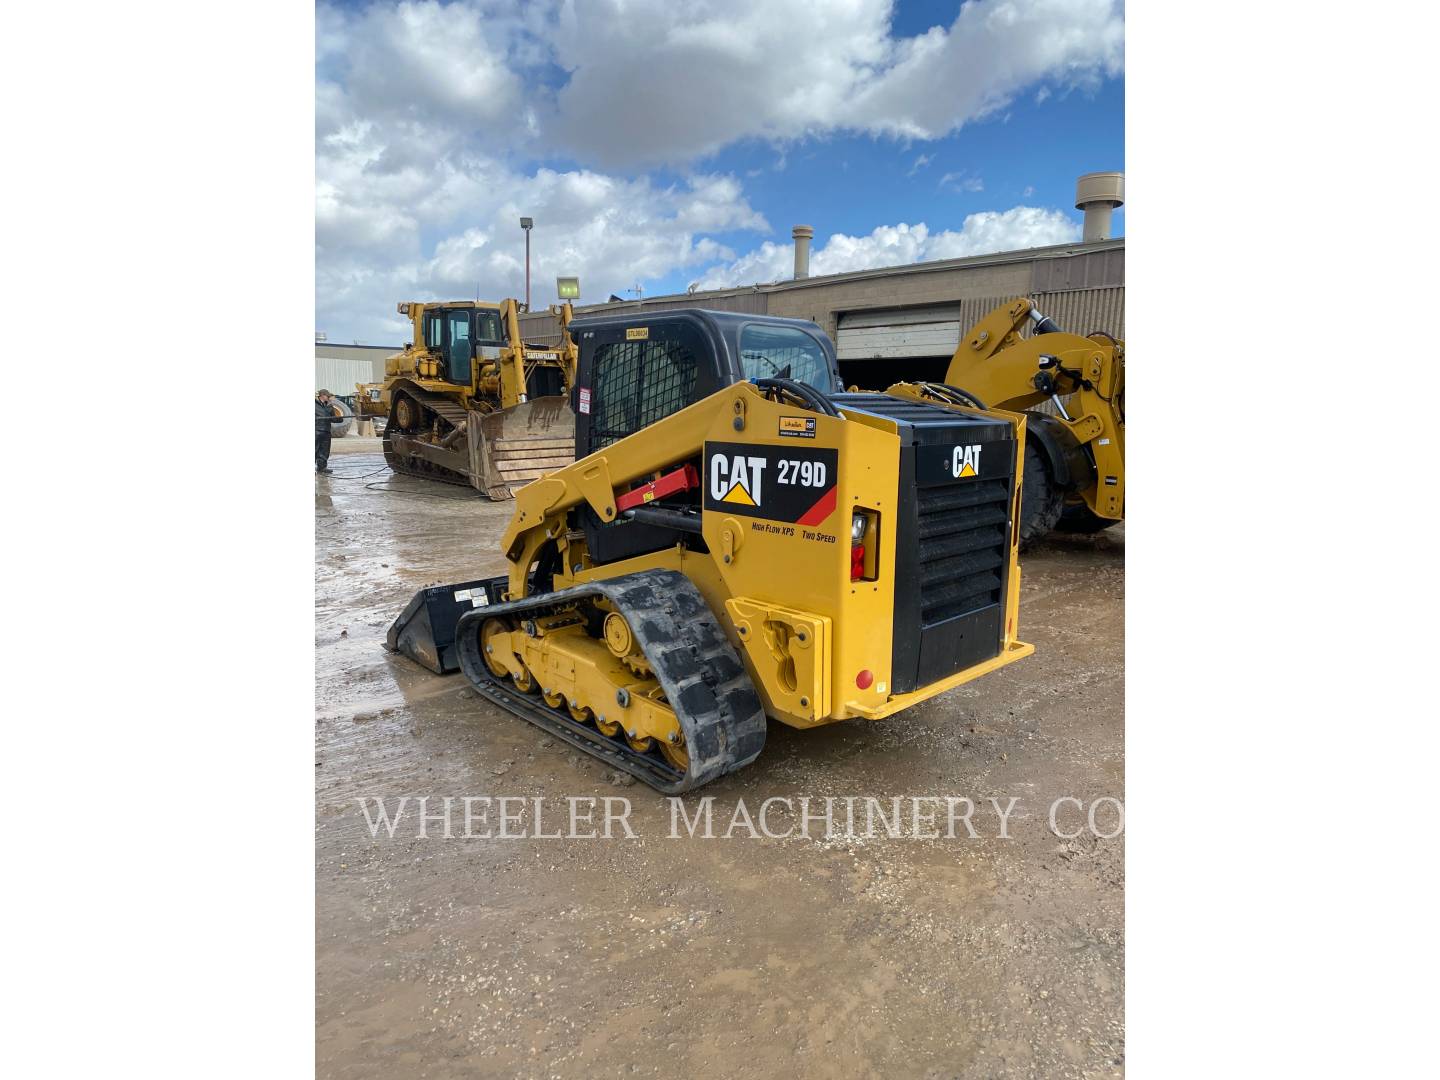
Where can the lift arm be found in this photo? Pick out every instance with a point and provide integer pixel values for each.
(541, 507)
(1005, 371)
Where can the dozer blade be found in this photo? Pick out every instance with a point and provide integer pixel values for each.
(514, 446)
(425, 630)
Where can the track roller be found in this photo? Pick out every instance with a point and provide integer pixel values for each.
(661, 695)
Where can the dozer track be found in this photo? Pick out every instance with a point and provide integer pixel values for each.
(416, 463)
(498, 452)
(703, 680)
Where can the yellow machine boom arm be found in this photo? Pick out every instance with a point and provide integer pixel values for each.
(1084, 377)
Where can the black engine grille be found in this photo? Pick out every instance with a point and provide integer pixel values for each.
(963, 548)
(952, 539)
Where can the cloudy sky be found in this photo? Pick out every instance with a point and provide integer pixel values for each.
(659, 144)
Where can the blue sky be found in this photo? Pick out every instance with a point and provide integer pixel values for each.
(1029, 154)
(665, 144)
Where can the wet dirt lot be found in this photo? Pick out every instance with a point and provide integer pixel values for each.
(851, 956)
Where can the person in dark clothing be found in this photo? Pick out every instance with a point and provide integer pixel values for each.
(325, 411)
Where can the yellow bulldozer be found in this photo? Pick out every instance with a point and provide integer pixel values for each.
(738, 539)
(468, 401)
(1074, 455)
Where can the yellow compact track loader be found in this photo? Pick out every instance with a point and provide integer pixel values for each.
(738, 539)
(1074, 458)
(469, 402)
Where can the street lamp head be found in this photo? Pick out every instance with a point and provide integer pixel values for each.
(526, 222)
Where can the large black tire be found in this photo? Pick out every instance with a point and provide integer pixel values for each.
(1081, 519)
(1041, 502)
(340, 427)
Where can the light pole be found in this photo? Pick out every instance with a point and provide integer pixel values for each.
(526, 223)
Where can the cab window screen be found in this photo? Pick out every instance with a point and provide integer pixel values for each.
(767, 352)
(487, 327)
(433, 330)
(637, 383)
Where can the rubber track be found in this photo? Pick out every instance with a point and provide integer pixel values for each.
(703, 678)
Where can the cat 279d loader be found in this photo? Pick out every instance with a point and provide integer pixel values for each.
(1075, 458)
(738, 539)
(469, 402)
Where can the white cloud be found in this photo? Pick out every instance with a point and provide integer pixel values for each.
(899, 245)
(1009, 230)
(960, 181)
(608, 231)
(920, 163)
(655, 81)
(435, 123)
(418, 196)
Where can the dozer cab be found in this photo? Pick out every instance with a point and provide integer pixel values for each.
(469, 402)
(738, 539)
(1075, 457)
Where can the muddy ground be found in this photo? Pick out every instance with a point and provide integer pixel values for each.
(745, 958)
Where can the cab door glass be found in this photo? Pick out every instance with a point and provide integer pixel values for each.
(458, 346)
(769, 352)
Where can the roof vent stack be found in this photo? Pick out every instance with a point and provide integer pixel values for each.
(1097, 193)
(802, 234)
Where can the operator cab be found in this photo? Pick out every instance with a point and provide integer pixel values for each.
(638, 368)
(461, 334)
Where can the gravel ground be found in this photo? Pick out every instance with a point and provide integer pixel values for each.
(739, 957)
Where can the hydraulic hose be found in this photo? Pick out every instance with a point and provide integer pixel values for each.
(806, 393)
(952, 394)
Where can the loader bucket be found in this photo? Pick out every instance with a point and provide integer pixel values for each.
(511, 447)
(425, 630)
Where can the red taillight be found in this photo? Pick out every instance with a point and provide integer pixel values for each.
(864, 679)
(857, 562)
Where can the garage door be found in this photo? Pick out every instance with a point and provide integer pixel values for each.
(899, 333)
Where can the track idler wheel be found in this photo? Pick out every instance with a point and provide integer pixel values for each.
(493, 628)
(407, 414)
(675, 754)
(618, 638)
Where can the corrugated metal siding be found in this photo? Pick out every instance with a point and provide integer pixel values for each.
(1093, 270)
(374, 355)
(540, 328)
(340, 375)
(1086, 310)
(749, 303)
(1083, 293)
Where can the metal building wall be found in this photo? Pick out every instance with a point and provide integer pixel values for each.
(339, 376)
(1083, 311)
(373, 355)
(542, 328)
(1081, 286)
